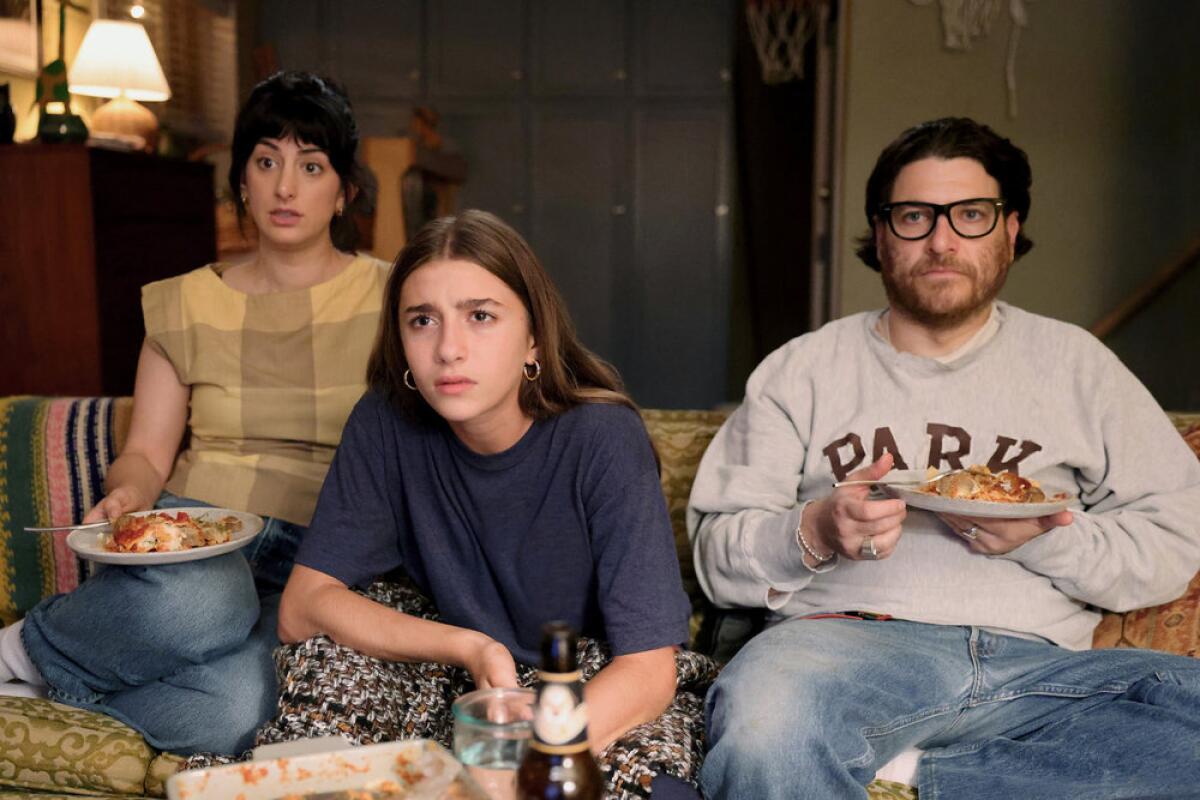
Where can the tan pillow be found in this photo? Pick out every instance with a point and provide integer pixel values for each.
(681, 437)
(52, 747)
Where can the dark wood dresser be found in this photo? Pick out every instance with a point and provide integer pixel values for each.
(81, 229)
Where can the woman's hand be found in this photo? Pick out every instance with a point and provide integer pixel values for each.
(491, 665)
(120, 500)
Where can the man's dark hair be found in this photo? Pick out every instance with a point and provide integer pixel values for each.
(946, 138)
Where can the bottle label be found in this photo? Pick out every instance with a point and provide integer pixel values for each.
(560, 718)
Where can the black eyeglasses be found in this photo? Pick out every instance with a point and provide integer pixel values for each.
(970, 219)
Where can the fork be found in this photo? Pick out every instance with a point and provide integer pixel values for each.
(71, 527)
(885, 482)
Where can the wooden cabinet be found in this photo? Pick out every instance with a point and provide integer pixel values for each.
(81, 230)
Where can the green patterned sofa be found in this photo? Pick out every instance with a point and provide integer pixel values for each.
(53, 453)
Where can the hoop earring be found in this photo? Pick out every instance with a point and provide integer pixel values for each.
(408, 380)
(537, 371)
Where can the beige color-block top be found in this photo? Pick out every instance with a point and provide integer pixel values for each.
(273, 378)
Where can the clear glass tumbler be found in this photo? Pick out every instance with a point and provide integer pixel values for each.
(491, 732)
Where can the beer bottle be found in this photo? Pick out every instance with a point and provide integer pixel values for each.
(559, 764)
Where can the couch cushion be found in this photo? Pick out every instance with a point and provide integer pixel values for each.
(1173, 627)
(56, 748)
(681, 438)
(53, 453)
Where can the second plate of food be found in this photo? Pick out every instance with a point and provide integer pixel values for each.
(93, 545)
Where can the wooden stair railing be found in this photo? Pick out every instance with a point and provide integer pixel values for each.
(1155, 285)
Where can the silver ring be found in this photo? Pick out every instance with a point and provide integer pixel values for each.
(971, 533)
(867, 549)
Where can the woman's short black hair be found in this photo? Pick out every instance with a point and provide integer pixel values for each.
(946, 138)
(315, 111)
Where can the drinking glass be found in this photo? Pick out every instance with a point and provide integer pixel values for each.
(491, 732)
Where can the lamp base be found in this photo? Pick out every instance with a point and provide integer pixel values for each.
(125, 119)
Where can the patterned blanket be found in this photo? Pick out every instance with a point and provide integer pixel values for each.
(327, 689)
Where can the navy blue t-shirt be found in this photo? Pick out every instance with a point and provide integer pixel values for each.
(569, 523)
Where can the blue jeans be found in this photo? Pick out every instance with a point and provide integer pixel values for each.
(810, 708)
(180, 651)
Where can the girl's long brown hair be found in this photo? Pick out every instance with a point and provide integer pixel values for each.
(571, 374)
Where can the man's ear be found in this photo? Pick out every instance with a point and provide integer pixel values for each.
(879, 229)
(1012, 226)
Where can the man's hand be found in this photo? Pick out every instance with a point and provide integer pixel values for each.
(842, 522)
(995, 537)
(119, 501)
(491, 665)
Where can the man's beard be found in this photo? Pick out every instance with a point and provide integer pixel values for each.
(926, 306)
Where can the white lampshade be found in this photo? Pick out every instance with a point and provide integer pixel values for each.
(116, 58)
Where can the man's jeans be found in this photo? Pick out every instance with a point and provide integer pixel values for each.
(810, 708)
(178, 651)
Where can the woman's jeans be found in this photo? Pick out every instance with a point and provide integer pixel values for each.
(181, 652)
(810, 708)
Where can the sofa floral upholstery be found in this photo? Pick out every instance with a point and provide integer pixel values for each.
(53, 453)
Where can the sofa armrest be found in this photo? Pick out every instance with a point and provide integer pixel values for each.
(53, 456)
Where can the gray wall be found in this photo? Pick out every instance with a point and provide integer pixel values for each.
(1109, 114)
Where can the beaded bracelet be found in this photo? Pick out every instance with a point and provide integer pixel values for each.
(808, 548)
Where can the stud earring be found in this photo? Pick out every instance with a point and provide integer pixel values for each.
(533, 371)
(408, 380)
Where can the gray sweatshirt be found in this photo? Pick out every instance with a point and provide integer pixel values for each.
(1040, 397)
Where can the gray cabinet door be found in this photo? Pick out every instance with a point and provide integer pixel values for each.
(599, 129)
(578, 47)
(494, 139)
(683, 47)
(372, 47)
(678, 328)
(476, 47)
(379, 58)
(296, 29)
(579, 221)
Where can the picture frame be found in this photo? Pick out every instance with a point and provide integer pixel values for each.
(19, 42)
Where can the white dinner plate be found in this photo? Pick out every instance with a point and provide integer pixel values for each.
(976, 508)
(89, 544)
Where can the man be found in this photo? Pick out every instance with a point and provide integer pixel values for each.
(892, 627)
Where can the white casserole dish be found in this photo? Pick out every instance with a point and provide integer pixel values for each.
(411, 769)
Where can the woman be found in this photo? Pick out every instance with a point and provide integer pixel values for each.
(500, 465)
(259, 363)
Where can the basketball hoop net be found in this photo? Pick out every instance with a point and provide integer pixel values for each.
(780, 29)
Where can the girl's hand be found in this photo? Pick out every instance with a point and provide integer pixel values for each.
(119, 501)
(491, 665)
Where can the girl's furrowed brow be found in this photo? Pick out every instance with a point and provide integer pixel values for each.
(472, 302)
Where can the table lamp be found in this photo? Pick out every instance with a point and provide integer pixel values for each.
(117, 60)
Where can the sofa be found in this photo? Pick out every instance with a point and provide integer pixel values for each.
(53, 454)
